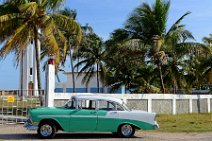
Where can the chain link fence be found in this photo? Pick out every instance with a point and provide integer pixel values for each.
(14, 105)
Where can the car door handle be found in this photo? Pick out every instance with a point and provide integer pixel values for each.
(113, 112)
(93, 112)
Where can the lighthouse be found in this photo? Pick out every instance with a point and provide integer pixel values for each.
(28, 72)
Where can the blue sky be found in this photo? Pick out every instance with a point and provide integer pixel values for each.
(106, 15)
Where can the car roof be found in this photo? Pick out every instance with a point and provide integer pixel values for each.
(97, 97)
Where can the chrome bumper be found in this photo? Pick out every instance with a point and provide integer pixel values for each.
(29, 126)
(156, 125)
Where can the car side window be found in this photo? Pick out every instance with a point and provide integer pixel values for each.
(119, 107)
(106, 105)
(87, 104)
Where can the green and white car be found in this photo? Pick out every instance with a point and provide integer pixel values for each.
(90, 113)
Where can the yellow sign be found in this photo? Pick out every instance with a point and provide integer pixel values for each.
(10, 99)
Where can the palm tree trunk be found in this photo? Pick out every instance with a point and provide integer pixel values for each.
(77, 60)
(161, 79)
(97, 77)
(22, 75)
(38, 65)
(157, 42)
(72, 66)
(58, 78)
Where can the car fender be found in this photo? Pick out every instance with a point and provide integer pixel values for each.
(136, 126)
(53, 120)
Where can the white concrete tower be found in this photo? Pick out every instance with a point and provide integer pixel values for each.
(50, 83)
(29, 81)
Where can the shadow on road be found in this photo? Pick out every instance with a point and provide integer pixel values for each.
(59, 136)
(18, 136)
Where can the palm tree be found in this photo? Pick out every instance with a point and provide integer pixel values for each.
(31, 22)
(71, 42)
(147, 25)
(198, 65)
(123, 61)
(92, 54)
(207, 59)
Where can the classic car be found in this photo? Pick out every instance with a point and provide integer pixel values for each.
(90, 113)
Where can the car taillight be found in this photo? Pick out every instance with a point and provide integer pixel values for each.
(155, 119)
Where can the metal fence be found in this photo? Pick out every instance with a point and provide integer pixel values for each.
(15, 104)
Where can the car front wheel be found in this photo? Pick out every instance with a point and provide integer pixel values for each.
(46, 130)
(126, 131)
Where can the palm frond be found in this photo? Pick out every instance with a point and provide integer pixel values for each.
(14, 40)
(176, 24)
(51, 41)
(69, 25)
(28, 9)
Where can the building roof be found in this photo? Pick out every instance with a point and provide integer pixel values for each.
(97, 97)
(76, 72)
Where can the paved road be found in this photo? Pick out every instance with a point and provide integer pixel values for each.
(17, 133)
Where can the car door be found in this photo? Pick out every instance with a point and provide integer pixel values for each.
(84, 118)
(107, 116)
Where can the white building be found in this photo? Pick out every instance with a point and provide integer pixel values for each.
(67, 87)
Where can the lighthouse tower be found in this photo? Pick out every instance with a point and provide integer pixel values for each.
(28, 72)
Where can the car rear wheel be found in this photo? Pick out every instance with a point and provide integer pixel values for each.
(46, 130)
(126, 131)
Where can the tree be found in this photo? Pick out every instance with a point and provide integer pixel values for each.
(30, 22)
(198, 65)
(208, 41)
(72, 45)
(122, 61)
(92, 54)
(207, 63)
(147, 26)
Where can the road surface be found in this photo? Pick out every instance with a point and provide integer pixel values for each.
(18, 132)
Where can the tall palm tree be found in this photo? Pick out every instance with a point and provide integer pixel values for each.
(92, 59)
(71, 42)
(147, 24)
(73, 45)
(31, 22)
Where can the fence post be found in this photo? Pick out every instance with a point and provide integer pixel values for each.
(190, 106)
(149, 104)
(174, 106)
(209, 104)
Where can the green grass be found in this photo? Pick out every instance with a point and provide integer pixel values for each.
(185, 123)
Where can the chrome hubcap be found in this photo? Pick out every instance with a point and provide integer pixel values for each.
(126, 130)
(46, 130)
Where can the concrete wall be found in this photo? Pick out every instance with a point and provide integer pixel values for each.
(159, 103)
